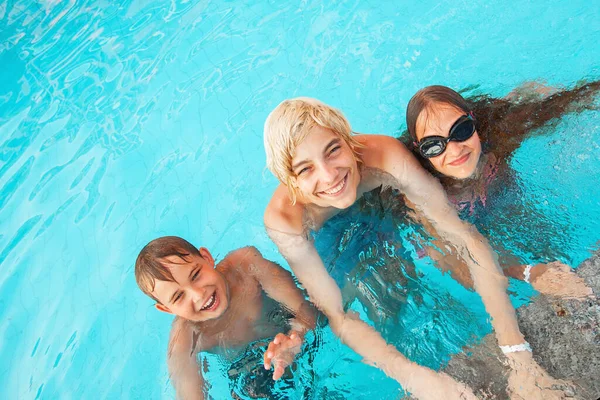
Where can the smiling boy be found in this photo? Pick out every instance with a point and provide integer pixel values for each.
(221, 308)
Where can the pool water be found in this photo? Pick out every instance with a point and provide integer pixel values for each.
(124, 121)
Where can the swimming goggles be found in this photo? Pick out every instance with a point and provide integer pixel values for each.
(461, 130)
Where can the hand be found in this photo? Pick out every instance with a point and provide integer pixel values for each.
(281, 352)
(558, 279)
(426, 384)
(529, 381)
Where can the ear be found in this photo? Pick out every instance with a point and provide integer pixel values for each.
(207, 256)
(163, 308)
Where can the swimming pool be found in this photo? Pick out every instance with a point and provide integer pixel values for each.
(120, 123)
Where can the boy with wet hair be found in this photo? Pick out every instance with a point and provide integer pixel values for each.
(222, 307)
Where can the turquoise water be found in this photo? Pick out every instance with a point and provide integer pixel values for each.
(121, 123)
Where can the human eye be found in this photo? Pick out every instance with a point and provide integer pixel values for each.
(195, 274)
(178, 297)
(303, 171)
(335, 149)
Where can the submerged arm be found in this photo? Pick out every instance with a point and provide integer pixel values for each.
(534, 114)
(279, 285)
(428, 196)
(359, 336)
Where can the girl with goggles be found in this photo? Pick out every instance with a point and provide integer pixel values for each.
(467, 145)
(447, 132)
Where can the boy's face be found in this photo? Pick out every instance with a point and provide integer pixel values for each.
(325, 170)
(199, 292)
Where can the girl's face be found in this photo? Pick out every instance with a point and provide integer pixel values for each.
(460, 159)
(325, 170)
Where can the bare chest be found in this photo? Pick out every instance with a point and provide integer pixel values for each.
(251, 316)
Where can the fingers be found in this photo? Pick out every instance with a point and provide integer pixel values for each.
(295, 339)
(273, 348)
(279, 338)
(276, 352)
(268, 356)
(278, 372)
(270, 353)
(280, 363)
(559, 266)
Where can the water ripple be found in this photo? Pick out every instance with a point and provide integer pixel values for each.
(55, 214)
(93, 189)
(15, 181)
(20, 235)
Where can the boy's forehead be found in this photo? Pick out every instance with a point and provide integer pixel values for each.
(177, 266)
(175, 260)
(164, 289)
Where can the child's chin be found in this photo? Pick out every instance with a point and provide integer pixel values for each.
(463, 173)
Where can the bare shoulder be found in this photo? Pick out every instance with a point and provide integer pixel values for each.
(242, 263)
(380, 149)
(281, 215)
(254, 266)
(243, 256)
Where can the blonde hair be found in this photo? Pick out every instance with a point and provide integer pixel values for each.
(289, 124)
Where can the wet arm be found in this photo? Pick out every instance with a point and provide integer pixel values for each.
(429, 197)
(280, 286)
(451, 260)
(325, 294)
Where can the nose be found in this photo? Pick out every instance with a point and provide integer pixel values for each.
(197, 295)
(328, 173)
(454, 148)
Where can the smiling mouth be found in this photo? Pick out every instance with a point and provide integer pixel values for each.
(337, 189)
(211, 303)
(461, 160)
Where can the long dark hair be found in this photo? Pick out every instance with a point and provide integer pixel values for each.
(501, 123)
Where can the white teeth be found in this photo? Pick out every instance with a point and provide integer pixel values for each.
(336, 189)
(210, 302)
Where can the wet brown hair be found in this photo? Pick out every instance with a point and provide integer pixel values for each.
(425, 98)
(149, 266)
(501, 123)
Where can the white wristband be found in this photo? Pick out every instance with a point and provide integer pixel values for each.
(515, 348)
(527, 273)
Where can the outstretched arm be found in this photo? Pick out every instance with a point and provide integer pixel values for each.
(527, 379)
(428, 196)
(359, 336)
(280, 286)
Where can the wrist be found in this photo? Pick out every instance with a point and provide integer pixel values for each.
(298, 328)
(516, 348)
(519, 358)
(537, 271)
